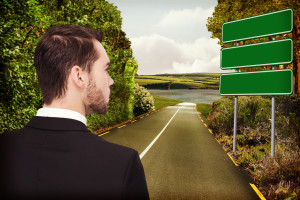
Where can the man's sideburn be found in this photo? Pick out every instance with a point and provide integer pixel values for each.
(94, 102)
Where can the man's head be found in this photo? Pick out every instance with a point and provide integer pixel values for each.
(72, 65)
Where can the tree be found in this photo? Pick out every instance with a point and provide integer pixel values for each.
(228, 10)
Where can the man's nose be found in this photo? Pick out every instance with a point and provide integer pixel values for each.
(111, 81)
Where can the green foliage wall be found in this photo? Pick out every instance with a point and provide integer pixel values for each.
(22, 24)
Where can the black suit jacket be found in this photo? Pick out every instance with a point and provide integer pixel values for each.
(59, 158)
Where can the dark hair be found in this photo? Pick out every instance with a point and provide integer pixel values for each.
(60, 48)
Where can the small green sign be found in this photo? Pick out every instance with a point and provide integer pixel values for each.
(261, 83)
(277, 52)
(264, 25)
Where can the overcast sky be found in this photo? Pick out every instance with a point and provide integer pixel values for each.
(170, 36)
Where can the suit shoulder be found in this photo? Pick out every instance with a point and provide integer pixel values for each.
(111, 148)
(117, 146)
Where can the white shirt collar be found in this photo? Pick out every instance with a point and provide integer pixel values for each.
(61, 113)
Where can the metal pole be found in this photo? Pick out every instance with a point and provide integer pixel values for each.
(235, 115)
(273, 119)
(235, 122)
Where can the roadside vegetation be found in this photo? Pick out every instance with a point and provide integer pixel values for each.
(143, 101)
(180, 81)
(205, 109)
(278, 177)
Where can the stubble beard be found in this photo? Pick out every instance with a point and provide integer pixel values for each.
(95, 102)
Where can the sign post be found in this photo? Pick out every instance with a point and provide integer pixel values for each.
(273, 120)
(236, 99)
(275, 52)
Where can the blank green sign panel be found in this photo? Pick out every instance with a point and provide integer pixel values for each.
(277, 52)
(262, 83)
(268, 24)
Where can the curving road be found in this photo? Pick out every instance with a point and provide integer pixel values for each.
(181, 158)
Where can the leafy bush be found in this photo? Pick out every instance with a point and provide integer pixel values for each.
(144, 102)
(253, 113)
(221, 116)
(288, 117)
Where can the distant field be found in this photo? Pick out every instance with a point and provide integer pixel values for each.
(179, 81)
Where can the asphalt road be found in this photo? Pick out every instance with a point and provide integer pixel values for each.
(181, 158)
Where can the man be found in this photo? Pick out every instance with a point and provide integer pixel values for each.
(55, 156)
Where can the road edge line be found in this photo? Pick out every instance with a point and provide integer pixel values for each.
(261, 196)
(103, 133)
(151, 144)
(134, 119)
(232, 160)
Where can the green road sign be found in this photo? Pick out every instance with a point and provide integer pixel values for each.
(277, 52)
(262, 83)
(268, 24)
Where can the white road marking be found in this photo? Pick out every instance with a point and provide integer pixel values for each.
(151, 144)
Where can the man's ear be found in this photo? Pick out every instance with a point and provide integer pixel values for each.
(78, 76)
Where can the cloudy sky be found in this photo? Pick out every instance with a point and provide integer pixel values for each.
(170, 36)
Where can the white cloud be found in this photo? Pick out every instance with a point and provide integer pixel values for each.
(198, 66)
(157, 54)
(203, 48)
(191, 51)
(184, 17)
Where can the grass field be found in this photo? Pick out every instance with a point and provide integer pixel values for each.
(204, 109)
(161, 102)
(180, 81)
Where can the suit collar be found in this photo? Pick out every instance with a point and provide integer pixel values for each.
(61, 113)
(54, 123)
